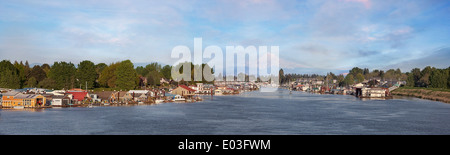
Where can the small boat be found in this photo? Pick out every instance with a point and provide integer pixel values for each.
(19, 107)
(179, 98)
(218, 92)
(159, 101)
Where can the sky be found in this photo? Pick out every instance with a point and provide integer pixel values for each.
(314, 36)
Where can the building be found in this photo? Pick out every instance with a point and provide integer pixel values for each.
(105, 96)
(183, 91)
(15, 99)
(136, 96)
(79, 96)
(118, 97)
(94, 98)
(373, 92)
(61, 100)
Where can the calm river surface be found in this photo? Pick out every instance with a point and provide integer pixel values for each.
(248, 113)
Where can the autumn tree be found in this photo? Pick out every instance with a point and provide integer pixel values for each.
(108, 77)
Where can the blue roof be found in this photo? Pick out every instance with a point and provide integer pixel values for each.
(169, 94)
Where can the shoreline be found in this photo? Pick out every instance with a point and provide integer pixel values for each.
(422, 93)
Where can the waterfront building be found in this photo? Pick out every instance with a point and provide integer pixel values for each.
(94, 98)
(118, 96)
(15, 99)
(137, 97)
(79, 96)
(105, 96)
(373, 92)
(183, 91)
(61, 100)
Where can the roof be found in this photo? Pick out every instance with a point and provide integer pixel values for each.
(26, 96)
(138, 91)
(11, 93)
(78, 95)
(186, 87)
(121, 93)
(60, 96)
(105, 95)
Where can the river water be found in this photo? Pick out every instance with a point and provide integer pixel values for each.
(276, 113)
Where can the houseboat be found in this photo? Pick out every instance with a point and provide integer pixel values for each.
(179, 98)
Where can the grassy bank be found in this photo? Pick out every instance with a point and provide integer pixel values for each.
(435, 94)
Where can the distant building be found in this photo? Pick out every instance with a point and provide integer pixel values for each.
(183, 91)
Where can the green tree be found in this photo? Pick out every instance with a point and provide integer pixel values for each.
(46, 68)
(416, 75)
(355, 71)
(366, 71)
(359, 78)
(141, 71)
(9, 75)
(438, 78)
(21, 70)
(349, 80)
(32, 82)
(425, 76)
(281, 76)
(153, 78)
(63, 74)
(100, 67)
(38, 73)
(166, 71)
(47, 84)
(381, 75)
(410, 81)
(340, 80)
(127, 77)
(448, 79)
(153, 67)
(86, 73)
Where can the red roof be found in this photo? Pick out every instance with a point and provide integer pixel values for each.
(76, 89)
(186, 87)
(78, 95)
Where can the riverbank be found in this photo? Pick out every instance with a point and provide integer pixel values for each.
(442, 95)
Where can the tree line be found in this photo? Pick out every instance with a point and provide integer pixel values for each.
(428, 77)
(65, 75)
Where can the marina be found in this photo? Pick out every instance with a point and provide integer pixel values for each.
(251, 113)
